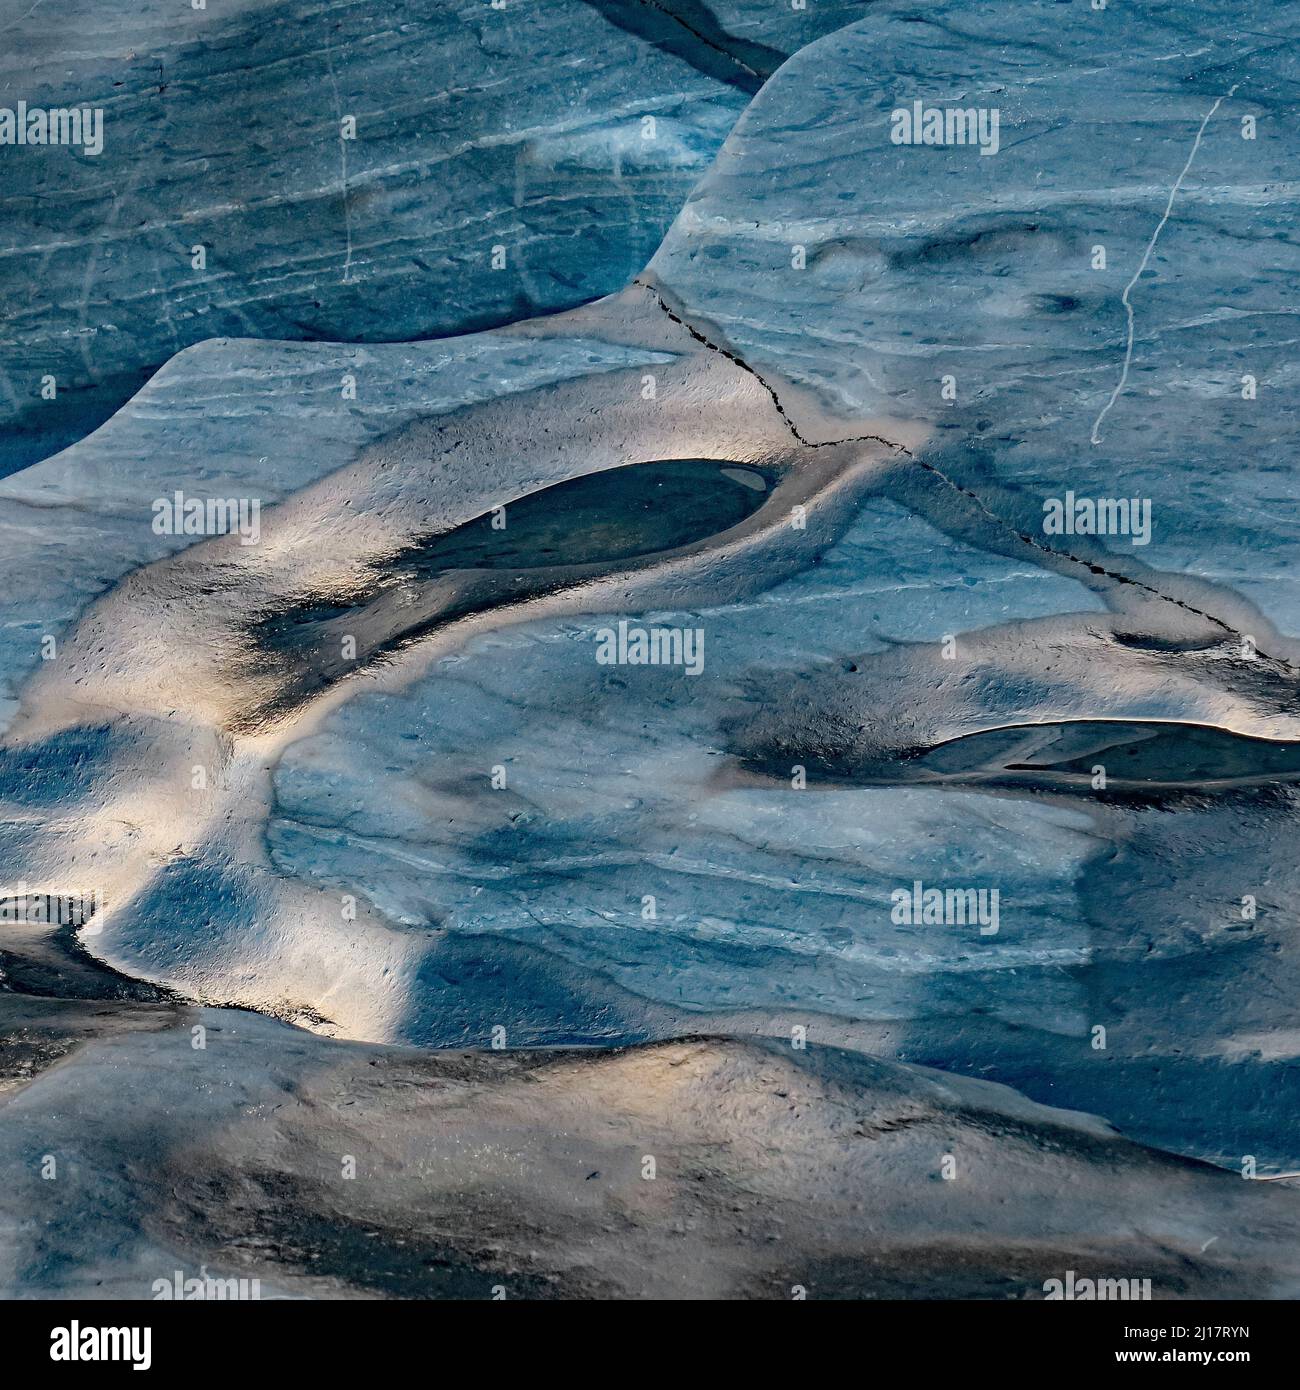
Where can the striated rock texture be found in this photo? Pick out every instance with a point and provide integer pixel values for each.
(922, 263)
(374, 771)
(502, 162)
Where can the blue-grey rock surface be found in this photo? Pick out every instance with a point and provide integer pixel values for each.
(503, 161)
(387, 769)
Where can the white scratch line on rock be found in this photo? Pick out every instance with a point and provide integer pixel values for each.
(13, 24)
(1146, 256)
